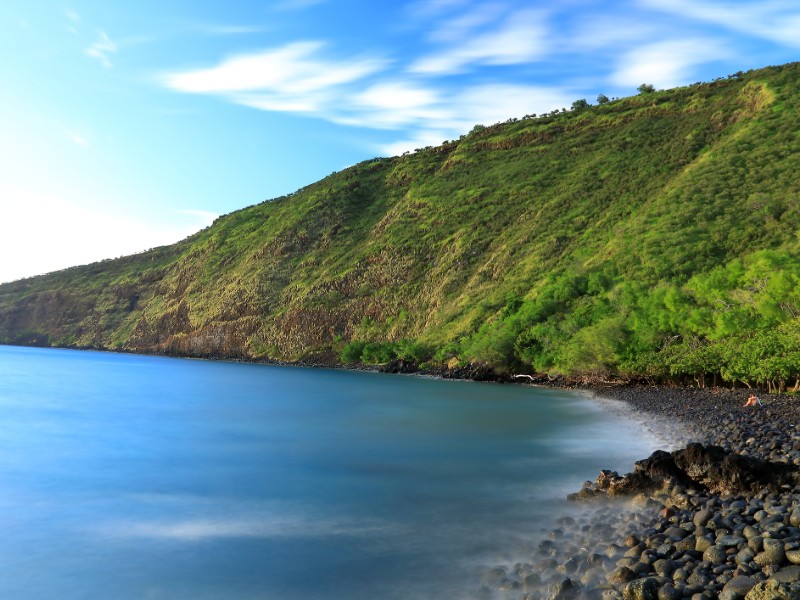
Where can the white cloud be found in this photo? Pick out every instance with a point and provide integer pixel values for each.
(777, 21)
(289, 79)
(666, 64)
(102, 48)
(392, 105)
(522, 38)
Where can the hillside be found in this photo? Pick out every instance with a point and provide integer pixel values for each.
(655, 236)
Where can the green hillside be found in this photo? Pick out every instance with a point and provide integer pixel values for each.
(653, 236)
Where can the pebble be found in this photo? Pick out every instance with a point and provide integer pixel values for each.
(682, 541)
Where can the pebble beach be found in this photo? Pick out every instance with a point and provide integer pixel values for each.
(716, 514)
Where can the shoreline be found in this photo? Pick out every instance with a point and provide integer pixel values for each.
(719, 535)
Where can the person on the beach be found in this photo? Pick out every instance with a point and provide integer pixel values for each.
(752, 401)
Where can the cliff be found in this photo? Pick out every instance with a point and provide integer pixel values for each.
(582, 241)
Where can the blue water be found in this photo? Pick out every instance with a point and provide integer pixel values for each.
(132, 477)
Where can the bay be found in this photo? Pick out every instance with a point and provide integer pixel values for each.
(139, 477)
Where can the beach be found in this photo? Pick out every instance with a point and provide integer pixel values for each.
(715, 514)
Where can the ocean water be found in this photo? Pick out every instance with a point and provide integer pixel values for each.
(135, 477)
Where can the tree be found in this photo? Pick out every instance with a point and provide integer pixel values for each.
(646, 88)
(602, 99)
(581, 104)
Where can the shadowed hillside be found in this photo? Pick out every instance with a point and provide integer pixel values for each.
(652, 236)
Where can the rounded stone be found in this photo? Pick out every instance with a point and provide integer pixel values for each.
(794, 517)
(680, 574)
(675, 533)
(687, 543)
(641, 589)
(729, 540)
(621, 575)
(774, 550)
(703, 544)
(793, 556)
(663, 567)
(745, 555)
(563, 589)
(668, 592)
(702, 517)
(715, 554)
(737, 588)
(749, 531)
(789, 574)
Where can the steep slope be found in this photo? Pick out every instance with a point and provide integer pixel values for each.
(514, 245)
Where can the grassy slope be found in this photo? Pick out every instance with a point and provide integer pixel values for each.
(432, 245)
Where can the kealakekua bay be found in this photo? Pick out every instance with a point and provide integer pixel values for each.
(645, 249)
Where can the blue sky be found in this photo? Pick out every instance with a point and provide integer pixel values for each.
(131, 125)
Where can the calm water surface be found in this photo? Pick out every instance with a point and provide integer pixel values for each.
(131, 477)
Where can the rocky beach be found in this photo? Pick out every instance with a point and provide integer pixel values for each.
(718, 516)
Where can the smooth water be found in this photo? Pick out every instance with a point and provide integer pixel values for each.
(133, 477)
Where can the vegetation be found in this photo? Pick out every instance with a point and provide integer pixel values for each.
(654, 236)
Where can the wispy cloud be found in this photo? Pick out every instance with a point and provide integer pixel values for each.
(666, 64)
(777, 21)
(102, 48)
(521, 38)
(74, 18)
(72, 15)
(291, 70)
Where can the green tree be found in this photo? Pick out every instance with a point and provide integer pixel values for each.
(646, 88)
(602, 99)
(579, 105)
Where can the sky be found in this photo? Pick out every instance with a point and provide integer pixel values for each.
(127, 126)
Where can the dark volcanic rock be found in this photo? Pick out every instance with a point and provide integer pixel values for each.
(707, 468)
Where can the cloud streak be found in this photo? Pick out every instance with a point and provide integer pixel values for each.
(666, 64)
(777, 21)
(521, 38)
(101, 49)
(293, 78)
